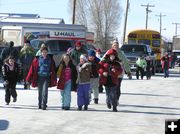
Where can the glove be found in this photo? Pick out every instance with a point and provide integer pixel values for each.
(129, 75)
(84, 65)
(5, 83)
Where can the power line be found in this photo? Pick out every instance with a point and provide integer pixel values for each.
(147, 12)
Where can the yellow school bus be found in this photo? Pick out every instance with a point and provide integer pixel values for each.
(148, 37)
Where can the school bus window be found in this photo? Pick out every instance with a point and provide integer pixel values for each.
(157, 36)
(142, 41)
(132, 35)
(156, 43)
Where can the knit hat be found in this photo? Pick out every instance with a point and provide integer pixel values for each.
(83, 57)
(114, 43)
(78, 44)
(91, 53)
(111, 52)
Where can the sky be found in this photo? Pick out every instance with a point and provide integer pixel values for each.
(136, 14)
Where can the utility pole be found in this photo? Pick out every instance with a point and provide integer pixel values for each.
(176, 27)
(74, 12)
(160, 19)
(147, 12)
(125, 20)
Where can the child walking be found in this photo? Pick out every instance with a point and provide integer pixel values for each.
(84, 70)
(11, 73)
(109, 71)
(42, 75)
(94, 74)
(67, 80)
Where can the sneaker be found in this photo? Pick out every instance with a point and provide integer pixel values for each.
(66, 108)
(109, 105)
(15, 99)
(85, 107)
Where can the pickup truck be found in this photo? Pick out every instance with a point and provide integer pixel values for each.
(133, 51)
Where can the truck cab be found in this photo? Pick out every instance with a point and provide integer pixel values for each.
(133, 51)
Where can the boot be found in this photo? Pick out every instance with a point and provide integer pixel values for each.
(40, 107)
(114, 109)
(14, 99)
(25, 86)
(66, 108)
(95, 101)
(44, 107)
(79, 107)
(108, 105)
(85, 107)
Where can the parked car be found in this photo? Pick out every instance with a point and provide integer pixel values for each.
(133, 51)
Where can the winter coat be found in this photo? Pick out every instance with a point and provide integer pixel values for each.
(124, 61)
(165, 62)
(84, 73)
(15, 74)
(94, 68)
(32, 76)
(26, 56)
(108, 67)
(9, 51)
(75, 55)
(61, 74)
(141, 63)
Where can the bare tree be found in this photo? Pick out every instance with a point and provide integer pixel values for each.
(100, 16)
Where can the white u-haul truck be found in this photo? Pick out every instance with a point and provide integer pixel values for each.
(19, 34)
(58, 38)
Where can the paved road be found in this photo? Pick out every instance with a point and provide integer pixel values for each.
(144, 106)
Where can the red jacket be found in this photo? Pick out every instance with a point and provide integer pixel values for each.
(61, 81)
(165, 60)
(104, 67)
(32, 76)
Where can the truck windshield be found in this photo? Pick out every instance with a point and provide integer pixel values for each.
(133, 49)
(56, 46)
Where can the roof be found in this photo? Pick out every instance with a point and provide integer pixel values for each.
(143, 30)
(28, 18)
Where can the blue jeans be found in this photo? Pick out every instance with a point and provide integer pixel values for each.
(66, 95)
(166, 72)
(111, 95)
(43, 83)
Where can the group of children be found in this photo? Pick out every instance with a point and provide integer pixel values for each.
(83, 77)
